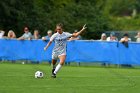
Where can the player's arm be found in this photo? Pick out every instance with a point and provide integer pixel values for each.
(46, 47)
(78, 33)
(49, 43)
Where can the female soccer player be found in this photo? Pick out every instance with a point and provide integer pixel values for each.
(59, 50)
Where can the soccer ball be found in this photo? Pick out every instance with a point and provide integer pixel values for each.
(39, 74)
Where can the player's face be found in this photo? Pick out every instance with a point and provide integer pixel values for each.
(59, 29)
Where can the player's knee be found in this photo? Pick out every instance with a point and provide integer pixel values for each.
(61, 63)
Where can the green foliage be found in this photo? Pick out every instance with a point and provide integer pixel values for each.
(99, 15)
(125, 24)
(126, 8)
(45, 14)
(123, 14)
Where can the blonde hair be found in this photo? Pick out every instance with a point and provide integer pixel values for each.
(13, 34)
(49, 31)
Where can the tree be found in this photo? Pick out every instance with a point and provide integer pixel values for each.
(45, 14)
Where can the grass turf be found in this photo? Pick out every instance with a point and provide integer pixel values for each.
(19, 78)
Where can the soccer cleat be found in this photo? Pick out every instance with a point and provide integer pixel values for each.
(53, 75)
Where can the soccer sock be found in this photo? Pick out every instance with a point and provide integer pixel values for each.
(54, 66)
(53, 63)
(57, 68)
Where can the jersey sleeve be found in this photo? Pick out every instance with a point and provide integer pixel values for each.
(52, 37)
(68, 34)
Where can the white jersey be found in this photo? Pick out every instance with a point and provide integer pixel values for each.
(60, 41)
(1, 34)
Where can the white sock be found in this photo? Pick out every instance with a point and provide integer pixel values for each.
(57, 68)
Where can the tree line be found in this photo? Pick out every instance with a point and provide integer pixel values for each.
(99, 15)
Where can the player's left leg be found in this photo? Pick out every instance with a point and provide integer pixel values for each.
(54, 60)
(62, 60)
(53, 65)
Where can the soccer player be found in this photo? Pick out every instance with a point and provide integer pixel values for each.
(59, 50)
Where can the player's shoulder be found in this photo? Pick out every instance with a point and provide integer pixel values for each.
(66, 33)
(55, 34)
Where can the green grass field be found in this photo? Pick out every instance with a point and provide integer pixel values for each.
(19, 78)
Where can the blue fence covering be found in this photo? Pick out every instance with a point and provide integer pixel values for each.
(77, 51)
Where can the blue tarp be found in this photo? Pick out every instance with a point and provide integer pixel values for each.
(77, 51)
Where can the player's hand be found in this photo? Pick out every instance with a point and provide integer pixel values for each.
(44, 48)
(84, 27)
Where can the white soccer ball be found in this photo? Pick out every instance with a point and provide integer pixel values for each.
(39, 74)
(23, 62)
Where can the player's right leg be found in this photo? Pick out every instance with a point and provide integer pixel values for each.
(58, 67)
